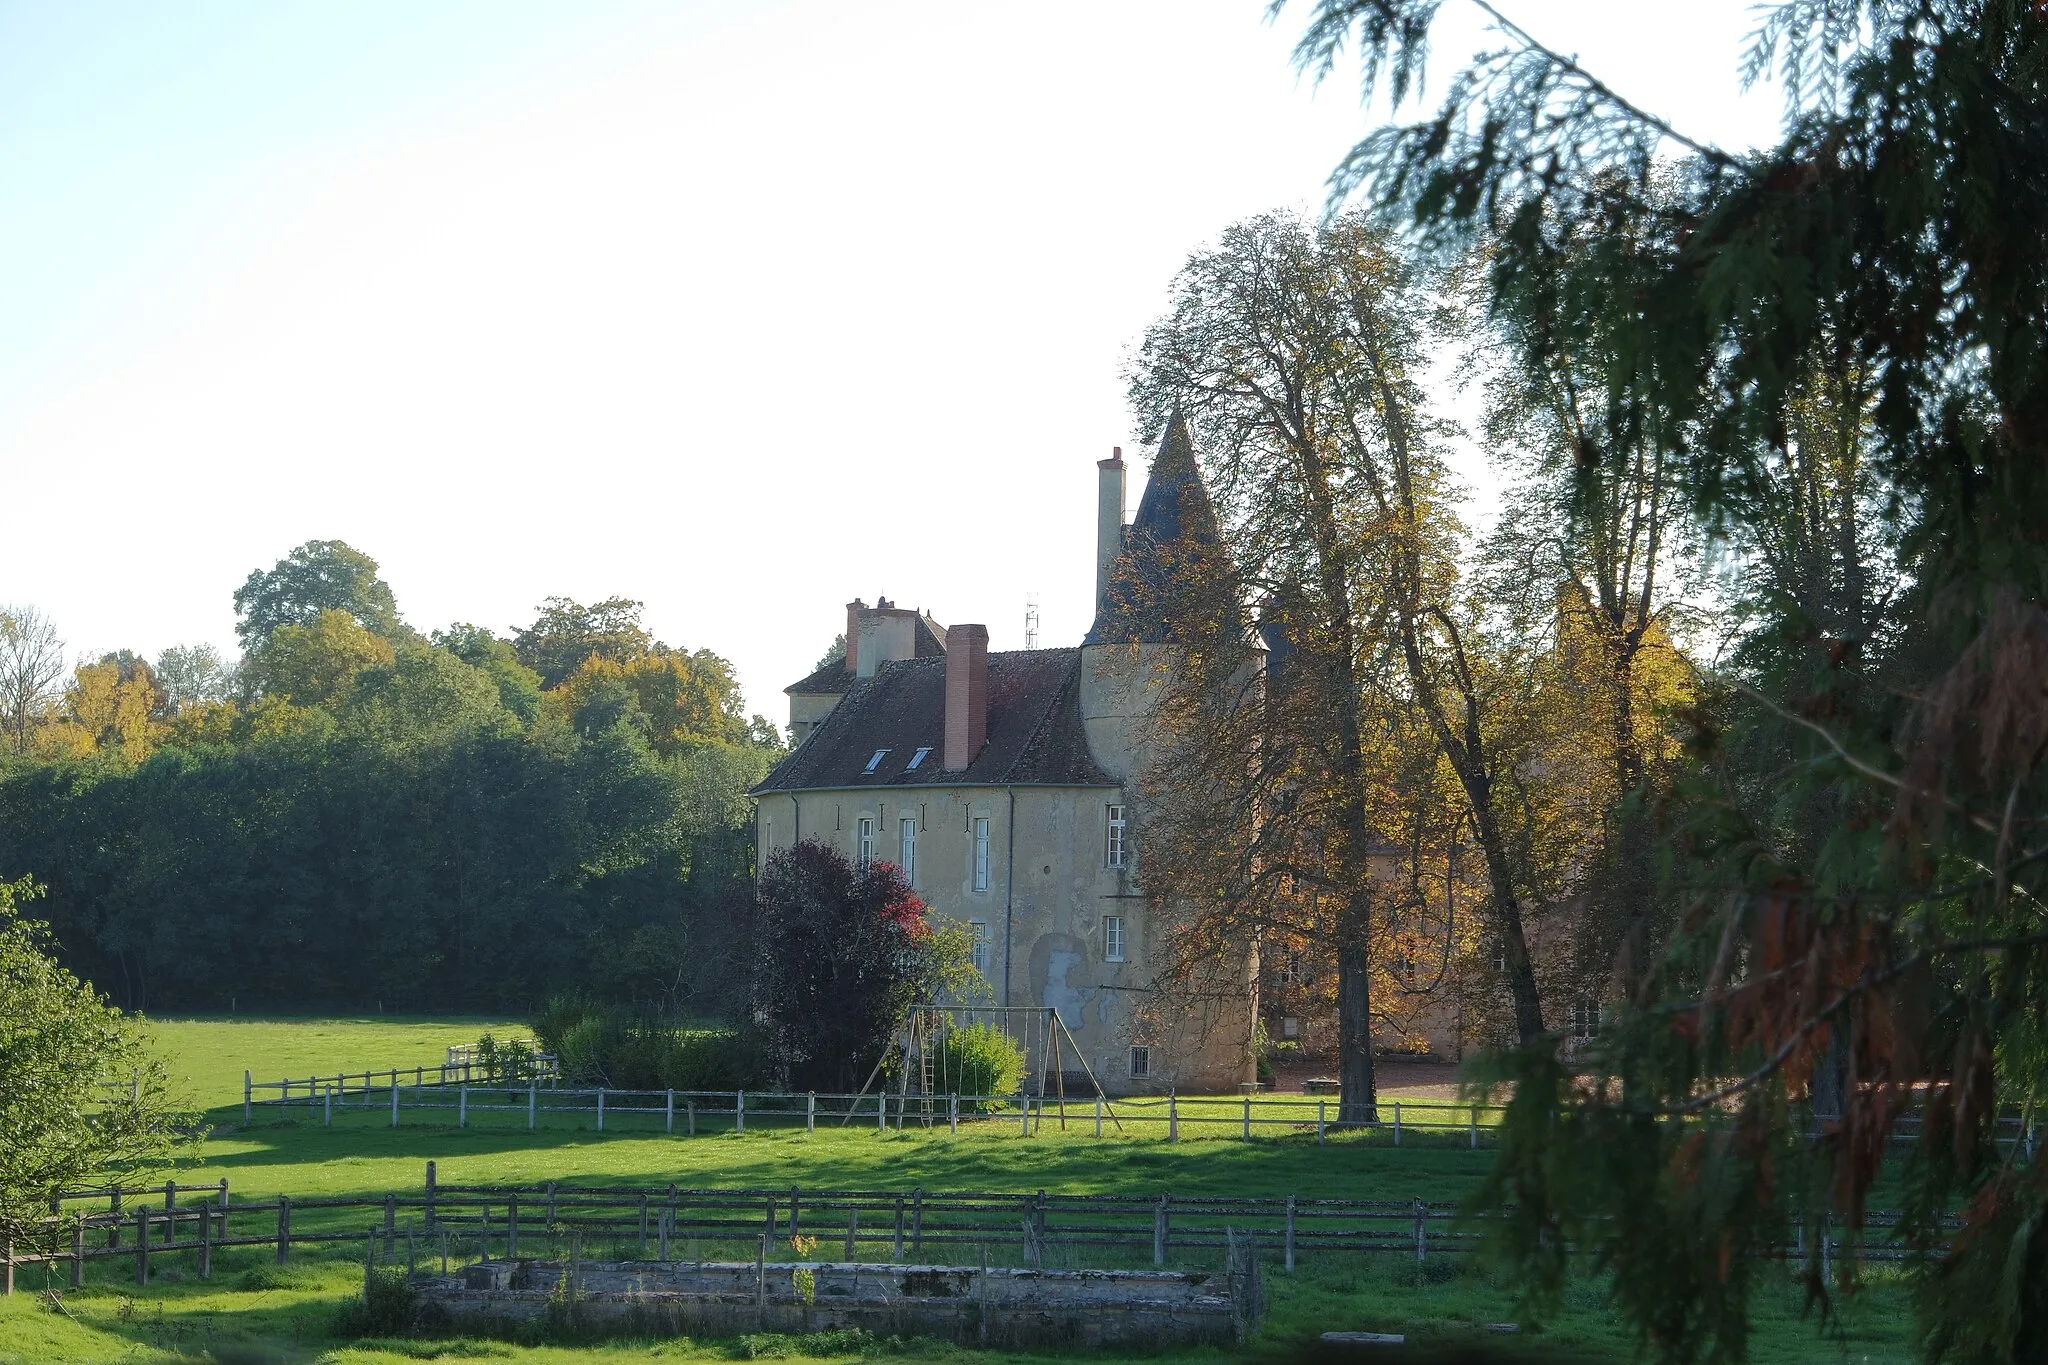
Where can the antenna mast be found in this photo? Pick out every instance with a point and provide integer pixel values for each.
(1030, 620)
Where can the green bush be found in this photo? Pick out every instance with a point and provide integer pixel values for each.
(979, 1060)
(386, 1309)
(613, 1046)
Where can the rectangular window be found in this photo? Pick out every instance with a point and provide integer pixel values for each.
(1112, 938)
(908, 862)
(1141, 1062)
(876, 761)
(1290, 969)
(1113, 842)
(864, 847)
(979, 929)
(917, 758)
(981, 854)
(1585, 1018)
(768, 835)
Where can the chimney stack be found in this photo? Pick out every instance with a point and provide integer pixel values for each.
(1109, 518)
(853, 611)
(966, 695)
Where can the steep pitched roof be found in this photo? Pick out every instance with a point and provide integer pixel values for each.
(1034, 730)
(830, 680)
(1176, 524)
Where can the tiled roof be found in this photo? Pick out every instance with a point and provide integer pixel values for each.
(1034, 729)
(831, 680)
(1174, 533)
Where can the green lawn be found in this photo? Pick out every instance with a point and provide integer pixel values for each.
(250, 1313)
(207, 1056)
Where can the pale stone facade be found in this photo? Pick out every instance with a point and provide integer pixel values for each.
(999, 781)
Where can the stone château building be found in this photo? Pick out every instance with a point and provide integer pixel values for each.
(1002, 784)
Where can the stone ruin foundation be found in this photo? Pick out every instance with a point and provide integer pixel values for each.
(997, 1307)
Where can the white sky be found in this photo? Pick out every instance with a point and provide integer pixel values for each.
(740, 309)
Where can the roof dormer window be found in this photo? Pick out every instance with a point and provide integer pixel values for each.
(916, 758)
(876, 761)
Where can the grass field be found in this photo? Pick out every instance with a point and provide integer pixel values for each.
(250, 1312)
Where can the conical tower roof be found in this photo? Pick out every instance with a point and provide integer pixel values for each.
(1174, 534)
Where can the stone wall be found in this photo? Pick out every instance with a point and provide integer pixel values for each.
(997, 1307)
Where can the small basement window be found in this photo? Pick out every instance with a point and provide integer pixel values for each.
(917, 758)
(876, 761)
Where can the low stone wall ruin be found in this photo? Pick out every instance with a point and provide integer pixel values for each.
(998, 1307)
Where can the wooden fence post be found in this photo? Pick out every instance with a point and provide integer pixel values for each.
(690, 1109)
(1024, 1110)
(394, 1099)
(953, 1115)
(917, 1222)
(532, 1095)
(1290, 1234)
(1321, 1123)
(600, 1109)
(665, 1223)
(78, 1255)
(433, 1220)
(1397, 1123)
(852, 1231)
(327, 1107)
(896, 1253)
(390, 1226)
(1159, 1232)
(1172, 1116)
(668, 1122)
(1247, 1118)
(141, 1245)
(284, 1228)
(248, 1087)
(739, 1111)
(512, 1226)
(1098, 1116)
(882, 1112)
(462, 1106)
(811, 1112)
(1421, 1231)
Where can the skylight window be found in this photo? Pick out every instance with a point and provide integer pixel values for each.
(876, 761)
(916, 758)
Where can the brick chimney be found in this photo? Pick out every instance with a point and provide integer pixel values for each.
(1109, 518)
(853, 611)
(966, 695)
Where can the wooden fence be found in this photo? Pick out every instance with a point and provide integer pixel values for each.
(1170, 1117)
(460, 1224)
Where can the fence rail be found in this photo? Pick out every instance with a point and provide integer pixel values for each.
(1171, 1117)
(465, 1223)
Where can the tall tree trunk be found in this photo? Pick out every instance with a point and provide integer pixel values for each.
(1507, 918)
(1359, 1100)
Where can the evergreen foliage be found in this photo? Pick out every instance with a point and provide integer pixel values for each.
(1837, 348)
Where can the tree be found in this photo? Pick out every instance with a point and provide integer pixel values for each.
(1857, 844)
(1294, 348)
(315, 663)
(842, 955)
(193, 675)
(31, 661)
(567, 632)
(109, 707)
(518, 686)
(319, 576)
(81, 1094)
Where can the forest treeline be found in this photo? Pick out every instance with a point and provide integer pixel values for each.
(356, 815)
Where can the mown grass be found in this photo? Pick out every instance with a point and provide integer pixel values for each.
(250, 1312)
